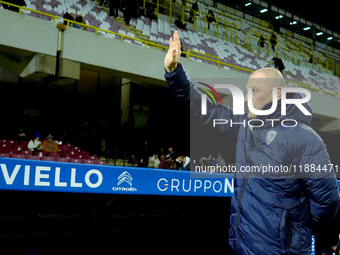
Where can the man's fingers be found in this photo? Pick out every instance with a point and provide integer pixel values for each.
(170, 44)
(177, 42)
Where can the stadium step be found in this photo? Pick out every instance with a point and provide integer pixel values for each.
(141, 36)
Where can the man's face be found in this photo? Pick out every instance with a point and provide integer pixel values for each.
(170, 149)
(49, 140)
(261, 93)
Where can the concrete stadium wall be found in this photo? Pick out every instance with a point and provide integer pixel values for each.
(19, 31)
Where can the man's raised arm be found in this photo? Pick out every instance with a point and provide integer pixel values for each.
(187, 93)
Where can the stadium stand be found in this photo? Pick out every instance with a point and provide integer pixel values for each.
(239, 46)
(67, 153)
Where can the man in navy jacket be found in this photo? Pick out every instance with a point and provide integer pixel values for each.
(271, 212)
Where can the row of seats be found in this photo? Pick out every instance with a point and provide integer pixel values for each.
(242, 24)
(14, 147)
(51, 158)
(94, 16)
(228, 52)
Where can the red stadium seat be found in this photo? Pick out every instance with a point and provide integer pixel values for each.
(101, 162)
(11, 142)
(27, 152)
(33, 157)
(85, 153)
(63, 147)
(69, 144)
(67, 155)
(11, 151)
(24, 143)
(89, 161)
(80, 156)
(92, 157)
(48, 158)
(16, 148)
(73, 152)
(76, 160)
(54, 154)
(63, 151)
(76, 148)
(4, 155)
(37, 153)
(20, 156)
(63, 160)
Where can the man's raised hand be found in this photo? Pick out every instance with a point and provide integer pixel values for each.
(173, 54)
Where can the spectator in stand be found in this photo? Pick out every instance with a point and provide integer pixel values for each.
(186, 165)
(173, 166)
(79, 19)
(16, 2)
(261, 41)
(156, 161)
(278, 64)
(163, 164)
(21, 136)
(35, 144)
(171, 156)
(168, 159)
(213, 161)
(273, 41)
(194, 7)
(68, 15)
(49, 145)
(179, 24)
(150, 13)
(114, 7)
(130, 10)
(220, 161)
(201, 162)
(311, 59)
(179, 162)
(151, 161)
(106, 2)
(210, 18)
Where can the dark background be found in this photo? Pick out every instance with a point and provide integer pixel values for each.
(73, 223)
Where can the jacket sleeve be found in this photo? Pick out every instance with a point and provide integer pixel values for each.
(317, 177)
(46, 146)
(55, 147)
(187, 93)
(31, 145)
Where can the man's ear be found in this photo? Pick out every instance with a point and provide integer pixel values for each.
(278, 93)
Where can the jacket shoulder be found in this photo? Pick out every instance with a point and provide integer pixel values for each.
(303, 140)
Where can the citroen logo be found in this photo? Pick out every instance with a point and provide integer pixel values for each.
(125, 177)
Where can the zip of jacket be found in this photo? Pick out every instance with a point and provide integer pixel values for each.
(241, 194)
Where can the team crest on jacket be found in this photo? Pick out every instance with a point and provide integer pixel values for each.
(270, 136)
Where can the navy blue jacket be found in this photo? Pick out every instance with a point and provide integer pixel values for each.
(272, 212)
